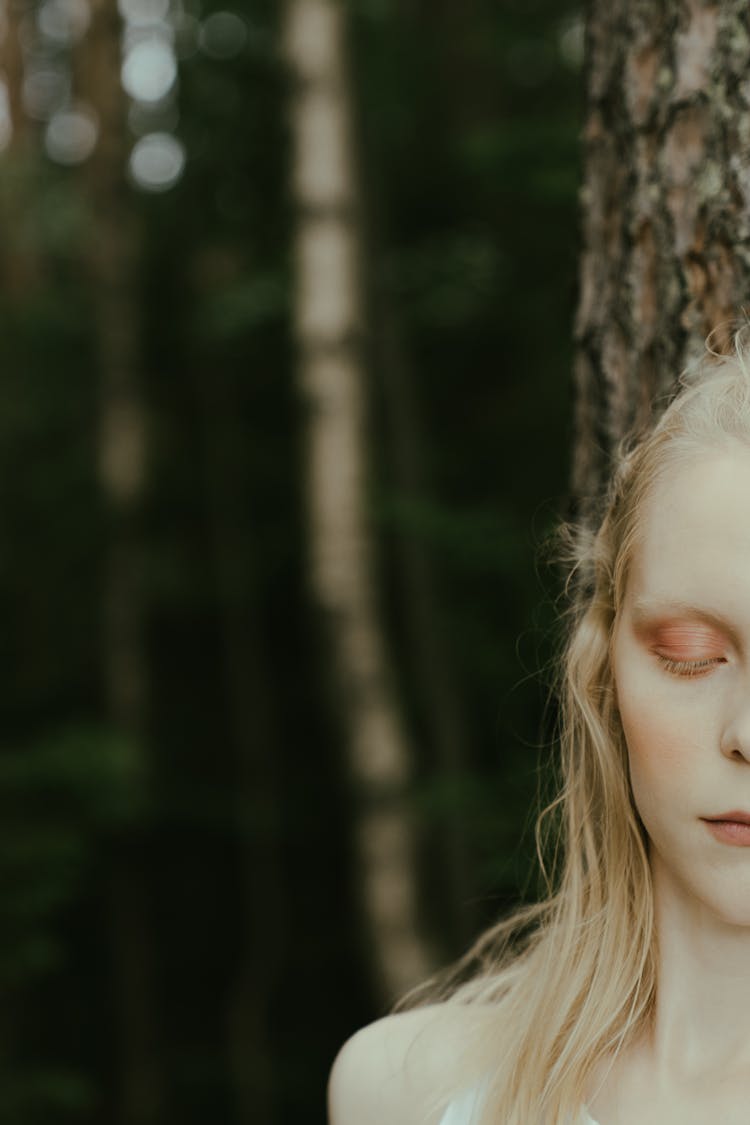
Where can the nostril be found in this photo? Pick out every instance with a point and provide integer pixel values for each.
(734, 744)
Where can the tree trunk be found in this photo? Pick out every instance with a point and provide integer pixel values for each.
(330, 324)
(425, 632)
(21, 265)
(666, 209)
(111, 257)
(257, 787)
(11, 70)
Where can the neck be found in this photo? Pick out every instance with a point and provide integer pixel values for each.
(701, 1024)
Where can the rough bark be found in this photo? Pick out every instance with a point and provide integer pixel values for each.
(665, 205)
(330, 325)
(111, 260)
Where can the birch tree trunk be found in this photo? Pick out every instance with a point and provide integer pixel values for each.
(111, 259)
(666, 208)
(330, 326)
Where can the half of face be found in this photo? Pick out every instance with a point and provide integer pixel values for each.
(681, 665)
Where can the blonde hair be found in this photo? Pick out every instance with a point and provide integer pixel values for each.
(564, 984)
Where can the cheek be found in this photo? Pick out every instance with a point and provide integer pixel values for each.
(660, 736)
(657, 767)
(655, 745)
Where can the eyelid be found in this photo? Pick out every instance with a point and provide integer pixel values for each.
(690, 668)
(685, 633)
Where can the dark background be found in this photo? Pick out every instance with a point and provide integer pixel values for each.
(123, 847)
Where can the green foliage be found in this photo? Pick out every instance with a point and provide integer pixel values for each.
(60, 798)
(41, 1095)
(239, 308)
(485, 540)
(448, 279)
(44, 217)
(95, 775)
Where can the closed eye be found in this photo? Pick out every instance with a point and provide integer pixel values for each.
(689, 667)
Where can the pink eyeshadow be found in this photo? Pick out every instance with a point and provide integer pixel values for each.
(689, 640)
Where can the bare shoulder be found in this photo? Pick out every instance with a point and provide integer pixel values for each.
(386, 1074)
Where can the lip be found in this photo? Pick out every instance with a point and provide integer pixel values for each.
(736, 816)
(732, 828)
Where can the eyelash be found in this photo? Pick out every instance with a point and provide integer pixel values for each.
(688, 668)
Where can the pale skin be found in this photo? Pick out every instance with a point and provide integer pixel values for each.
(687, 728)
(681, 664)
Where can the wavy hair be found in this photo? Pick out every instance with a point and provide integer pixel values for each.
(561, 986)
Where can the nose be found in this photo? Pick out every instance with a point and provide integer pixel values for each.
(735, 739)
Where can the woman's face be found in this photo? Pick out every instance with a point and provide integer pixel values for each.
(681, 659)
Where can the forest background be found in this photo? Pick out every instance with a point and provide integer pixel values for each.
(184, 937)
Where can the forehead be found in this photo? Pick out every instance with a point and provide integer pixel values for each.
(693, 538)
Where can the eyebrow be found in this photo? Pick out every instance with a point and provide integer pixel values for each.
(643, 609)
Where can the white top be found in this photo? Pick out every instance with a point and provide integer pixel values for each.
(464, 1110)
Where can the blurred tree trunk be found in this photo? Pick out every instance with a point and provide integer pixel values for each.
(250, 706)
(11, 69)
(330, 329)
(432, 670)
(21, 265)
(666, 209)
(111, 256)
(429, 656)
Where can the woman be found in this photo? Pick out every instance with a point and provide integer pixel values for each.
(624, 998)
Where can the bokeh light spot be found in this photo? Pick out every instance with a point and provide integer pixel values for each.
(571, 42)
(64, 22)
(149, 70)
(71, 134)
(157, 162)
(223, 35)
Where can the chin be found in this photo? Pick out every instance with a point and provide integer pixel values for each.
(720, 892)
(734, 913)
(731, 908)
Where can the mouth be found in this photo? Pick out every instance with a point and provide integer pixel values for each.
(736, 816)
